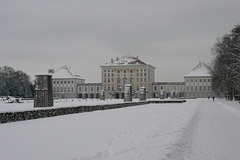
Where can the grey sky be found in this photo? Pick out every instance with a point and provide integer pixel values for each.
(171, 35)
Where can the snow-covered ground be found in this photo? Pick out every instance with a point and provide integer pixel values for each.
(28, 104)
(198, 129)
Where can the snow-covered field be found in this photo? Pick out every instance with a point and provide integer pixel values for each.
(196, 130)
(28, 105)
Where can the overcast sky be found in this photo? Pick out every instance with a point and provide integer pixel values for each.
(171, 35)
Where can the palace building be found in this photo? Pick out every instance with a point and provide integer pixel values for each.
(65, 83)
(127, 70)
(131, 70)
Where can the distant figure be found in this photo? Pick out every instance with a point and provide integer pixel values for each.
(213, 98)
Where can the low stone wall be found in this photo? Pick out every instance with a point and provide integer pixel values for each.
(43, 113)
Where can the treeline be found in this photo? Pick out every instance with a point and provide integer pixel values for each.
(226, 65)
(15, 83)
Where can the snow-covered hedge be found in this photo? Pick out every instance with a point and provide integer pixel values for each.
(43, 113)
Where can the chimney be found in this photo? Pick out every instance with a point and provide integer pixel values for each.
(51, 71)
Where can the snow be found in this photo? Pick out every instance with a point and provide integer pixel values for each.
(65, 72)
(201, 70)
(27, 105)
(197, 129)
(127, 60)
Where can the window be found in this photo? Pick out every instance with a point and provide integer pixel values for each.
(191, 88)
(109, 88)
(161, 87)
(141, 74)
(137, 74)
(200, 80)
(200, 88)
(196, 88)
(80, 89)
(174, 87)
(131, 71)
(61, 82)
(209, 80)
(68, 81)
(155, 88)
(108, 80)
(204, 80)
(204, 88)
(85, 89)
(97, 88)
(91, 88)
(65, 82)
(191, 80)
(57, 82)
(195, 80)
(105, 74)
(209, 88)
(104, 70)
(187, 80)
(53, 82)
(187, 88)
(72, 81)
(145, 74)
(118, 71)
(125, 71)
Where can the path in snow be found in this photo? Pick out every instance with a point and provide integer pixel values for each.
(215, 133)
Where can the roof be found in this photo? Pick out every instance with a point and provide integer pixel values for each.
(65, 72)
(126, 60)
(201, 70)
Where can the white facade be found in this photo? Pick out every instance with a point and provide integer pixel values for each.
(168, 90)
(65, 83)
(89, 90)
(126, 70)
(198, 82)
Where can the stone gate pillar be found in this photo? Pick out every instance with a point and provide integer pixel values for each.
(127, 93)
(142, 94)
(102, 95)
(43, 90)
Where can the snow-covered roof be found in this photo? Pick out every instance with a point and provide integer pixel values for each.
(126, 60)
(201, 70)
(65, 72)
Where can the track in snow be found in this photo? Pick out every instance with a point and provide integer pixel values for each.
(213, 133)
